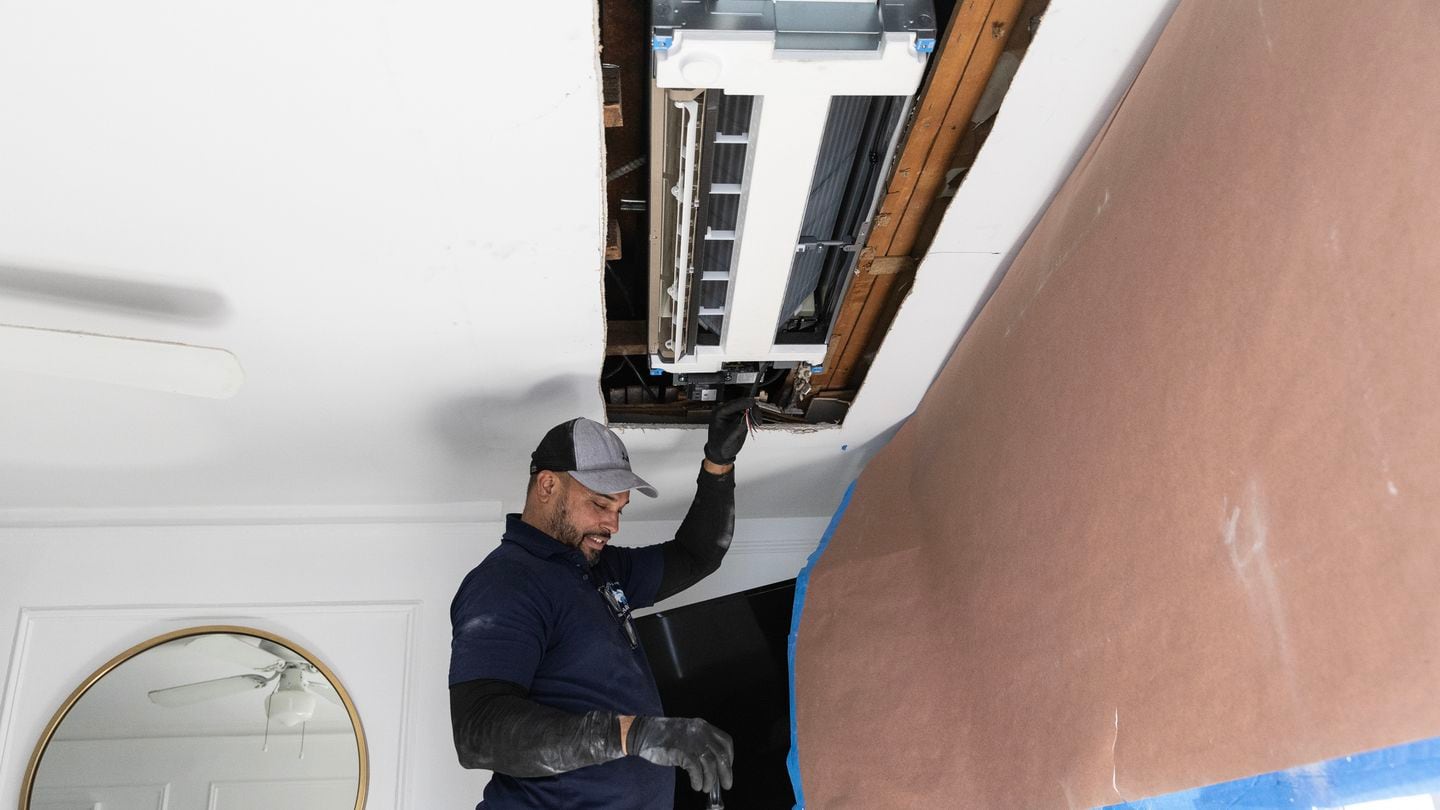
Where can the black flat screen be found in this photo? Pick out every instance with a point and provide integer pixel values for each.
(724, 660)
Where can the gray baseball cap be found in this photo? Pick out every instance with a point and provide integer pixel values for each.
(592, 454)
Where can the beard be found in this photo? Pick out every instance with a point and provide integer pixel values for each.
(561, 528)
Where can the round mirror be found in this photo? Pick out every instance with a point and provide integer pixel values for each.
(221, 717)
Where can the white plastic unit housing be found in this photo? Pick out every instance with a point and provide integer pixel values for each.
(792, 91)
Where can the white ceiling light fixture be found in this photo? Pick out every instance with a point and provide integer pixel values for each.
(292, 703)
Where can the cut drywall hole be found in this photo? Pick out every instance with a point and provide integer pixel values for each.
(737, 269)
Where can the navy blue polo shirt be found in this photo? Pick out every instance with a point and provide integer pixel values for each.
(531, 613)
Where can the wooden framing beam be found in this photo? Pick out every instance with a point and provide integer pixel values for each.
(974, 39)
(625, 337)
(610, 96)
(612, 240)
(973, 43)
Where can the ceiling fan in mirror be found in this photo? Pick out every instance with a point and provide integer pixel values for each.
(296, 681)
(179, 368)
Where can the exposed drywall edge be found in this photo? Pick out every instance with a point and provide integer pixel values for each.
(601, 187)
(1077, 69)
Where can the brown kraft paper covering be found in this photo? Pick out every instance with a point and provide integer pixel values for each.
(1171, 514)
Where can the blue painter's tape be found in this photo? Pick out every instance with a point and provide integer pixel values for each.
(924, 46)
(802, 582)
(659, 43)
(1412, 769)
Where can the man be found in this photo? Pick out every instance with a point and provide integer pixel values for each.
(549, 687)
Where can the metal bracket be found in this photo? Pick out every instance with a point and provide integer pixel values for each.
(801, 25)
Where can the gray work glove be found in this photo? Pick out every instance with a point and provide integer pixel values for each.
(704, 751)
(728, 429)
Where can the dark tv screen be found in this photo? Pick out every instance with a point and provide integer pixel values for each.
(724, 660)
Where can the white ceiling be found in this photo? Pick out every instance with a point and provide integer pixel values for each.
(392, 214)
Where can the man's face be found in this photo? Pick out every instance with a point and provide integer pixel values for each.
(585, 519)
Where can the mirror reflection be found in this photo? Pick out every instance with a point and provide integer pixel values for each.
(227, 720)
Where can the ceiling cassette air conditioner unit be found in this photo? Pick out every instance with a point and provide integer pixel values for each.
(773, 125)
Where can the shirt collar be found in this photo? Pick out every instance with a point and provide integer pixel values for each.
(537, 542)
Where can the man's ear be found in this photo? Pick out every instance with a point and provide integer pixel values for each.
(547, 485)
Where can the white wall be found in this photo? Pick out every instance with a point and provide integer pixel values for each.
(370, 599)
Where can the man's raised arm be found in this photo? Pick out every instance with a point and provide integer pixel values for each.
(705, 534)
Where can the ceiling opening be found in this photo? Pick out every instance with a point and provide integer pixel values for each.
(774, 170)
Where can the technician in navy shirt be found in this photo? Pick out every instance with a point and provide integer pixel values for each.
(549, 687)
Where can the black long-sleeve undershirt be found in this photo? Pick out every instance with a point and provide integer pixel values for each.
(498, 728)
(495, 724)
(704, 535)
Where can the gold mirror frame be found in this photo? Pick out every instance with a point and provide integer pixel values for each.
(33, 768)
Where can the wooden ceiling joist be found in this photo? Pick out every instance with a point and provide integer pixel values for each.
(973, 42)
(625, 338)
